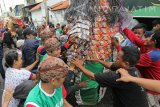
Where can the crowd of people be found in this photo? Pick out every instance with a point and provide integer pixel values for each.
(37, 74)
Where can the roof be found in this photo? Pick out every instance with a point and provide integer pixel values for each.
(60, 5)
(31, 5)
(38, 6)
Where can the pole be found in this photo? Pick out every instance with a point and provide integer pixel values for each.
(4, 5)
(46, 11)
(1, 9)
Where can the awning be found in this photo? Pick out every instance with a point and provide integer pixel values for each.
(30, 6)
(148, 12)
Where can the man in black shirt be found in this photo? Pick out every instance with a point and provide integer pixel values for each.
(124, 94)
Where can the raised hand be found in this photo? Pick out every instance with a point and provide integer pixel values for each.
(77, 62)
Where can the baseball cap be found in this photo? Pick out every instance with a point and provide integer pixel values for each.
(28, 31)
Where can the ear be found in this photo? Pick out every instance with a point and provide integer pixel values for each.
(52, 81)
(127, 64)
(153, 41)
(15, 62)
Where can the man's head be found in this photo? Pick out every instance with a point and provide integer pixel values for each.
(45, 34)
(128, 57)
(153, 41)
(29, 34)
(52, 46)
(156, 25)
(58, 26)
(53, 71)
(139, 30)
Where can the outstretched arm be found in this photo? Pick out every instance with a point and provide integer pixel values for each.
(153, 85)
(78, 63)
(30, 67)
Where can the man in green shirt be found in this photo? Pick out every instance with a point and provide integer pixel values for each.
(48, 92)
(89, 95)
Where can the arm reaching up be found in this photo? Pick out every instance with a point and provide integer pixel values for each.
(30, 67)
(133, 38)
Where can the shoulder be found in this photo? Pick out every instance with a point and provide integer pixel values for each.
(24, 71)
(155, 55)
(31, 104)
(33, 98)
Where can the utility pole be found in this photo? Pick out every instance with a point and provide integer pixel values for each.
(46, 11)
(4, 5)
(1, 9)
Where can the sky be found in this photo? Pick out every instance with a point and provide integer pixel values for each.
(12, 3)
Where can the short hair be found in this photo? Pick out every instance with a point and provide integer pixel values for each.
(156, 38)
(131, 54)
(140, 26)
(46, 35)
(52, 68)
(155, 22)
(58, 24)
(51, 44)
(10, 57)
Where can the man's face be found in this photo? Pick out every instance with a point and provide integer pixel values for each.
(56, 52)
(157, 27)
(58, 26)
(139, 32)
(149, 42)
(19, 61)
(119, 61)
(32, 36)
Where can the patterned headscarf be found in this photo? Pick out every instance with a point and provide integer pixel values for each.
(52, 68)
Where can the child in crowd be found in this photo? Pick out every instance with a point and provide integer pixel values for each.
(48, 92)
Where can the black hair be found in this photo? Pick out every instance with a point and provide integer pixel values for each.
(63, 26)
(35, 34)
(140, 26)
(6, 29)
(131, 54)
(155, 22)
(51, 25)
(10, 57)
(156, 38)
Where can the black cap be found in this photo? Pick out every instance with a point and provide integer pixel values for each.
(28, 31)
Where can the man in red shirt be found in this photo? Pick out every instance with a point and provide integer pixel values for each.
(149, 63)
